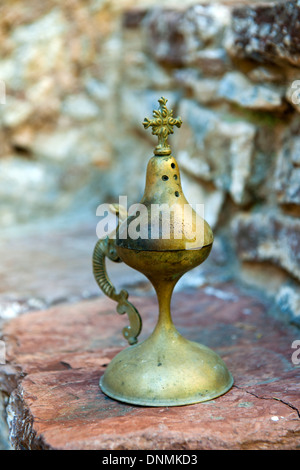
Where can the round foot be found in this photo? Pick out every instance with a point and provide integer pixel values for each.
(169, 371)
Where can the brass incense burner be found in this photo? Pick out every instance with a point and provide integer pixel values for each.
(166, 369)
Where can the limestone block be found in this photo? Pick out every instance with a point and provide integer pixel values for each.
(267, 74)
(31, 191)
(288, 300)
(204, 90)
(266, 33)
(210, 61)
(287, 175)
(28, 187)
(236, 88)
(175, 37)
(202, 26)
(269, 237)
(197, 193)
(37, 49)
(215, 149)
(15, 112)
(233, 87)
(80, 107)
(164, 39)
(75, 146)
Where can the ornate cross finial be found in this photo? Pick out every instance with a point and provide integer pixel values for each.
(162, 126)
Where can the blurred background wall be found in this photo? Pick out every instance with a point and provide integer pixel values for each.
(80, 77)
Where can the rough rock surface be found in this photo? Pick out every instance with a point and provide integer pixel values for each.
(206, 135)
(262, 237)
(57, 357)
(267, 33)
(235, 87)
(287, 175)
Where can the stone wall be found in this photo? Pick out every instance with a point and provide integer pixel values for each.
(231, 74)
(81, 76)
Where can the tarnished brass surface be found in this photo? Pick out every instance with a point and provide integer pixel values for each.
(163, 187)
(163, 265)
(166, 369)
(162, 126)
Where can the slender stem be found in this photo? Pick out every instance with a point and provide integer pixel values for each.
(164, 290)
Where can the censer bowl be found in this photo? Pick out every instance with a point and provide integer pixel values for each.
(159, 265)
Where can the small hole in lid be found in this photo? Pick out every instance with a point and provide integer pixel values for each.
(175, 177)
(176, 193)
(164, 177)
(173, 165)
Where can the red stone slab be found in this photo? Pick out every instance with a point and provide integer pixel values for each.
(62, 352)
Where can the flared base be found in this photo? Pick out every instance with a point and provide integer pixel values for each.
(166, 370)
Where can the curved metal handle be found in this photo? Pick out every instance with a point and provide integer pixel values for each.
(107, 248)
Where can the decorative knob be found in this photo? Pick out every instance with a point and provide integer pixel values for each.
(162, 126)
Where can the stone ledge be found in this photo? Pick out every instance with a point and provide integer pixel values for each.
(63, 352)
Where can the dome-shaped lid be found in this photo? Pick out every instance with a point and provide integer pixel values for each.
(163, 220)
